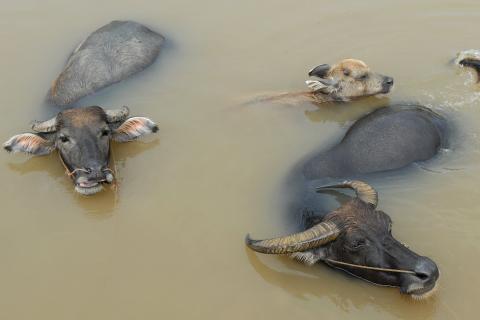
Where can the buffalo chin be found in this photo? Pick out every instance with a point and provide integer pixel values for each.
(386, 90)
(87, 191)
(419, 292)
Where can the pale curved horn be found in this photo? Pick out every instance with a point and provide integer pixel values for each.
(364, 191)
(117, 115)
(45, 126)
(316, 236)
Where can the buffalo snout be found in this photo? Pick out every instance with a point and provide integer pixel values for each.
(387, 84)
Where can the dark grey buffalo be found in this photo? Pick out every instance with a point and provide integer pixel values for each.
(82, 137)
(356, 237)
(108, 55)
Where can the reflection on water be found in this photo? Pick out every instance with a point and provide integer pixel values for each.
(103, 203)
(343, 113)
(304, 285)
(169, 241)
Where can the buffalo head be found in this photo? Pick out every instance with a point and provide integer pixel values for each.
(348, 79)
(357, 238)
(82, 137)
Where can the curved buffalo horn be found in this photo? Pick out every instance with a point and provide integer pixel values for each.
(45, 126)
(364, 191)
(117, 115)
(316, 236)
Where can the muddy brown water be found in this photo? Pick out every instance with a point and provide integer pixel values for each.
(169, 242)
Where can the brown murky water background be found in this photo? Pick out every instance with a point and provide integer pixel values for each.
(169, 243)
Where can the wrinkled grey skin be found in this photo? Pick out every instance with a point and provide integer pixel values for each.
(82, 137)
(110, 54)
(386, 139)
(366, 239)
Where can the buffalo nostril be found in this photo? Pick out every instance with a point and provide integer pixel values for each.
(426, 270)
(389, 81)
(422, 276)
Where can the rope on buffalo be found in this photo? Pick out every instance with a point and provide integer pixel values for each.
(367, 267)
(114, 171)
(67, 171)
(115, 184)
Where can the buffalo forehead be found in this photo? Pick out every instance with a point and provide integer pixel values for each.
(82, 117)
(353, 65)
(356, 215)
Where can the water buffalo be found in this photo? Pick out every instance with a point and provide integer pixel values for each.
(356, 237)
(82, 137)
(108, 55)
(469, 58)
(346, 80)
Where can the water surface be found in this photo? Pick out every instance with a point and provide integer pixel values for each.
(169, 241)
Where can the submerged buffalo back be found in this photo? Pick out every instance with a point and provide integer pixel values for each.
(388, 138)
(109, 55)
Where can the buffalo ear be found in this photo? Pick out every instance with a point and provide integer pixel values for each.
(319, 71)
(310, 257)
(29, 143)
(322, 83)
(326, 86)
(472, 63)
(134, 128)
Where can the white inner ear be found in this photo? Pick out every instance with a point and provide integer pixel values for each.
(134, 128)
(29, 143)
(315, 85)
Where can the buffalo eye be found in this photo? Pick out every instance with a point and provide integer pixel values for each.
(64, 138)
(346, 72)
(105, 133)
(357, 244)
(363, 77)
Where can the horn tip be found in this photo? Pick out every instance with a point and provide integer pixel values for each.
(248, 240)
